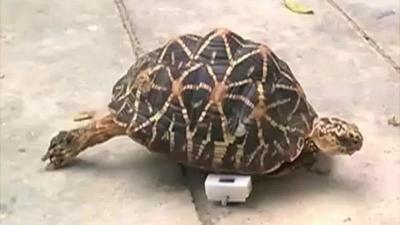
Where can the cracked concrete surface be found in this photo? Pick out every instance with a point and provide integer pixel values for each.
(379, 19)
(61, 57)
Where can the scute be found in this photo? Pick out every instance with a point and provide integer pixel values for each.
(217, 102)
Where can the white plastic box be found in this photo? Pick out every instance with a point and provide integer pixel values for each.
(228, 188)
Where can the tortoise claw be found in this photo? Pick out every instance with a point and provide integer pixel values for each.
(45, 157)
(63, 148)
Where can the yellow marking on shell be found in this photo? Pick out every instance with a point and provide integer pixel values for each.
(136, 105)
(253, 154)
(192, 37)
(228, 50)
(260, 90)
(189, 135)
(184, 110)
(278, 103)
(282, 128)
(198, 87)
(260, 145)
(240, 152)
(171, 134)
(197, 104)
(158, 87)
(156, 68)
(169, 74)
(119, 87)
(213, 55)
(172, 58)
(262, 157)
(128, 91)
(204, 113)
(130, 110)
(276, 166)
(264, 69)
(222, 146)
(122, 124)
(149, 106)
(303, 117)
(296, 106)
(300, 143)
(228, 73)
(121, 108)
(211, 73)
(180, 64)
(287, 76)
(185, 48)
(189, 141)
(204, 143)
(130, 105)
(240, 83)
(238, 41)
(279, 147)
(242, 98)
(164, 51)
(119, 90)
(250, 71)
(296, 89)
(286, 87)
(190, 69)
(260, 109)
(204, 45)
(244, 45)
(246, 56)
(153, 132)
(155, 116)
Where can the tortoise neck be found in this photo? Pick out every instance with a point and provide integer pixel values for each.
(310, 146)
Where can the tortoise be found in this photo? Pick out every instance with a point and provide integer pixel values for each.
(219, 103)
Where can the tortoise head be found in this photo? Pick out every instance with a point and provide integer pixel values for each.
(335, 136)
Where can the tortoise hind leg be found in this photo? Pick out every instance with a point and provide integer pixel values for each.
(66, 145)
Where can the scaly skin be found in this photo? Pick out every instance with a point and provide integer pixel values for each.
(219, 102)
(66, 145)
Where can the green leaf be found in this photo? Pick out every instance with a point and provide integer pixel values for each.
(296, 7)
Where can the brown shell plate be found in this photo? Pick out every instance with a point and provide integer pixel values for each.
(218, 102)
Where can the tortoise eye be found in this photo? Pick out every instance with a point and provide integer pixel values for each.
(357, 139)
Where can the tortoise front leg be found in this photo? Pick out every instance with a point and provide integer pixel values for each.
(313, 162)
(66, 145)
(317, 163)
(322, 165)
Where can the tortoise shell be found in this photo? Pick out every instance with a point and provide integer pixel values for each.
(218, 102)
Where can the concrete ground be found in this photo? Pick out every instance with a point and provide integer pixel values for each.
(60, 57)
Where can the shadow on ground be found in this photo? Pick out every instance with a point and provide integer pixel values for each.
(135, 169)
(270, 192)
(266, 190)
(127, 166)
